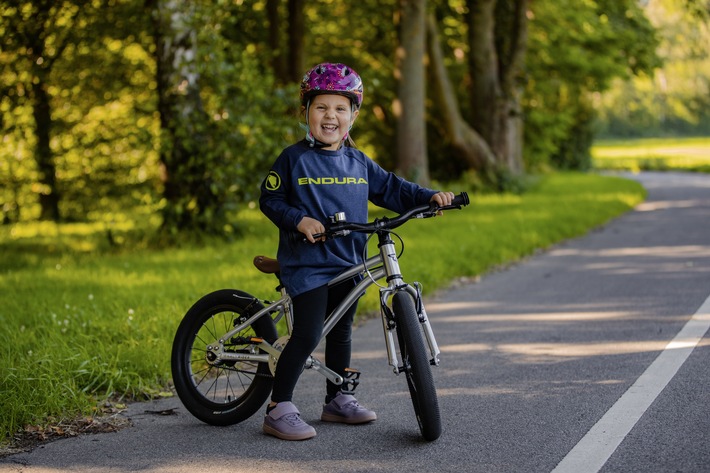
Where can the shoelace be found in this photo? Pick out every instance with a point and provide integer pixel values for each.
(352, 405)
(292, 419)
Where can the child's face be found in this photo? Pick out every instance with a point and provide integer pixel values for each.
(329, 119)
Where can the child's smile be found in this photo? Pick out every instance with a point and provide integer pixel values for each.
(329, 119)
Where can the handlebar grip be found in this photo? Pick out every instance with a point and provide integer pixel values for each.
(296, 237)
(461, 200)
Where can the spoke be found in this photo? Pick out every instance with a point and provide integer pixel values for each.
(195, 374)
(245, 374)
(205, 370)
(228, 380)
(213, 386)
(228, 388)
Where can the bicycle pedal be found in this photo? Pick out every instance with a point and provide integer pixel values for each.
(350, 381)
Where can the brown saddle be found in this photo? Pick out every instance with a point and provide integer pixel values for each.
(266, 265)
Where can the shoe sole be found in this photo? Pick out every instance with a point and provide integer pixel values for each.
(344, 420)
(278, 434)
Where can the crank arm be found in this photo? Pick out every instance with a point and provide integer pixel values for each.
(332, 376)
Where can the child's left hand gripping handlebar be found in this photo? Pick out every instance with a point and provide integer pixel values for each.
(458, 202)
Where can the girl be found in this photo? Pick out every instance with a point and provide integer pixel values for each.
(311, 180)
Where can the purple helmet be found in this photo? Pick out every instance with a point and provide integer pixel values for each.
(329, 78)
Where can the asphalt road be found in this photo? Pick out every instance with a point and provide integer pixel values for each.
(564, 360)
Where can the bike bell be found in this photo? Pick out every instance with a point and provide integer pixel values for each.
(338, 218)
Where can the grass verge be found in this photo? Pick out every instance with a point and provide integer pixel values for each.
(83, 323)
(653, 154)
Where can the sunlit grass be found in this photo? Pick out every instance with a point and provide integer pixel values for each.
(84, 319)
(657, 154)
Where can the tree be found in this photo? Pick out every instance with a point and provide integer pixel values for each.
(84, 134)
(412, 160)
(39, 32)
(497, 39)
(296, 35)
(227, 97)
(497, 36)
(470, 146)
(287, 51)
(273, 16)
(221, 112)
(183, 121)
(674, 99)
(577, 49)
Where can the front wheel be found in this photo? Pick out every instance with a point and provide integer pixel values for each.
(416, 367)
(221, 392)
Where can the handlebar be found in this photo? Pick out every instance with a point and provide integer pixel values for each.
(338, 229)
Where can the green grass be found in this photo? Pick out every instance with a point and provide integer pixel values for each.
(82, 321)
(653, 154)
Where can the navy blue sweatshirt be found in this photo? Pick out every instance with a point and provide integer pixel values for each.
(318, 183)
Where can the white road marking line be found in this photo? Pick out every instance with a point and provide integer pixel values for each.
(595, 448)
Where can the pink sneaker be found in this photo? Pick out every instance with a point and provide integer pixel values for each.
(345, 408)
(284, 422)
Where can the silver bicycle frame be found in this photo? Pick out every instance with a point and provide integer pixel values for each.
(385, 264)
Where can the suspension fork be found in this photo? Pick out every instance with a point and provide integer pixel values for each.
(434, 352)
(396, 283)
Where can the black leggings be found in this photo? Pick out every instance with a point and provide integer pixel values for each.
(309, 312)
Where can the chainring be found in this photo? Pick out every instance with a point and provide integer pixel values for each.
(279, 344)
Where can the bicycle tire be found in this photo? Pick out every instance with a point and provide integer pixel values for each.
(230, 392)
(416, 366)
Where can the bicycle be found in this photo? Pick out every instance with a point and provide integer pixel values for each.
(226, 347)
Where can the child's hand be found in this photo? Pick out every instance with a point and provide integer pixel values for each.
(442, 199)
(309, 227)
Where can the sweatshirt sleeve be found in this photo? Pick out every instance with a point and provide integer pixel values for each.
(275, 190)
(391, 192)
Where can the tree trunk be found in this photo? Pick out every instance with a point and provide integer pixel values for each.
(49, 195)
(296, 35)
(412, 162)
(279, 58)
(513, 84)
(41, 111)
(182, 118)
(483, 66)
(469, 144)
(497, 43)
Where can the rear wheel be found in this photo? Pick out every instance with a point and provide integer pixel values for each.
(221, 392)
(416, 366)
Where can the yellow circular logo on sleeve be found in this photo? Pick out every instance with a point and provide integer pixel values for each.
(273, 181)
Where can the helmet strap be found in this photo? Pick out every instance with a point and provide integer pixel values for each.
(313, 142)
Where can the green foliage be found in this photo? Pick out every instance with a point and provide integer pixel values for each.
(575, 50)
(362, 35)
(106, 132)
(670, 101)
(223, 121)
(83, 322)
(252, 115)
(103, 122)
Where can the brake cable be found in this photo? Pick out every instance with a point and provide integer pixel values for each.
(364, 256)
